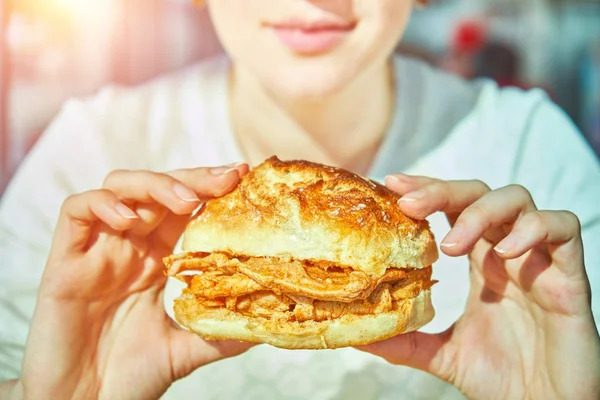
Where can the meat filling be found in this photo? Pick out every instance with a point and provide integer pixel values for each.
(298, 291)
(317, 280)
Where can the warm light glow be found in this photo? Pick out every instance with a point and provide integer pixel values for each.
(60, 19)
(59, 9)
(75, 6)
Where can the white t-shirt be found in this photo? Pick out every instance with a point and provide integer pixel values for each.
(443, 127)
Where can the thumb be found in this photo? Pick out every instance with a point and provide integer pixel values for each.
(190, 351)
(414, 349)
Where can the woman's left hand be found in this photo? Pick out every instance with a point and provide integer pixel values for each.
(527, 330)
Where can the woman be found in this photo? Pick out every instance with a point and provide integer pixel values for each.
(313, 80)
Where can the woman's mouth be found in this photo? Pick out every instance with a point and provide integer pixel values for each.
(312, 38)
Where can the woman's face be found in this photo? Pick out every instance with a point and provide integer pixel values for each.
(309, 48)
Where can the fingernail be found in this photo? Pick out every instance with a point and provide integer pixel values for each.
(412, 196)
(498, 249)
(392, 178)
(236, 164)
(185, 193)
(448, 245)
(222, 170)
(399, 177)
(453, 237)
(403, 177)
(507, 244)
(125, 211)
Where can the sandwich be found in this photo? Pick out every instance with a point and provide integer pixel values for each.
(304, 256)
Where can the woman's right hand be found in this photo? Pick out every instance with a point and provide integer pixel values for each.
(99, 329)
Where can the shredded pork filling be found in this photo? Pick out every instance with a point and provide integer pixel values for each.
(292, 290)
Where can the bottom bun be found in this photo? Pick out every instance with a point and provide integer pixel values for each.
(349, 330)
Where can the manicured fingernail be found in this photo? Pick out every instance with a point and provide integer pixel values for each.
(453, 237)
(412, 197)
(500, 250)
(125, 211)
(403, 177)
(185, 193)
(507, 244)
(448, 245)
(221, 170)
(399, 178)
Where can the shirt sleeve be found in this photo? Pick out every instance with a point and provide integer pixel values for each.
(68, 158)
(559, 168)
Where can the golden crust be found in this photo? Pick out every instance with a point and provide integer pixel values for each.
(308, 211)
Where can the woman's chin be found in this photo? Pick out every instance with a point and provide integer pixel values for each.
(304, 93)
(306, 86)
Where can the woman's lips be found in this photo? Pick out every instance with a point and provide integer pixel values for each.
(311, 40)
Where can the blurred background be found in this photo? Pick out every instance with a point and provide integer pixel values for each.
(51, 50)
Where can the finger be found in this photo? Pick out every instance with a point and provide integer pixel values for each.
(536, 227)
(493, 210)
(212, 182)
(154, 216)
(150, 188)
(242, 168)
(414, 349)
(79, 212)
(403, 184)
(429, 196)
(151, 215)
(179, 191)
(190, 351)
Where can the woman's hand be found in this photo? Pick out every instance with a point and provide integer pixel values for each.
(527, 330)
(99, 329)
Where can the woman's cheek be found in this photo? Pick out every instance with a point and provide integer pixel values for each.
(384, 21)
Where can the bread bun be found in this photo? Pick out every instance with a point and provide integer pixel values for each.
(349, 330)
(304, 256)
(306, 211)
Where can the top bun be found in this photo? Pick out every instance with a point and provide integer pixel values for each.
(308, 211)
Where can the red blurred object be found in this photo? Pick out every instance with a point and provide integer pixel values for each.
(469, 37)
